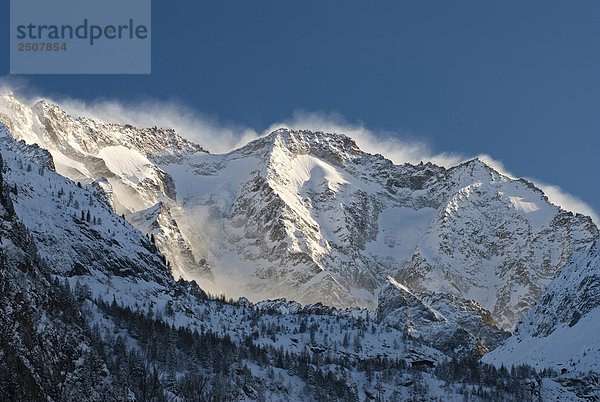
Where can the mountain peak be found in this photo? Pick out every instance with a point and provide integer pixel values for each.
(337, 149)
(476, 169)
(477, 163)
(291, 137)
(45, 108)
(44, 103)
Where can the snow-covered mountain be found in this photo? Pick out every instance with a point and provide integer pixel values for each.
(447, 255)
(310, 217)
(90, 312)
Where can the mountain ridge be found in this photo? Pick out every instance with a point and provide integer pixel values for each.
(311, 217)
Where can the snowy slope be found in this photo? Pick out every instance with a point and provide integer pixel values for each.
(45, 347)
(85, 149)
(75, 233)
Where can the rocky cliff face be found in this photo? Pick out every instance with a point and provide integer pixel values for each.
(497, 241)
(441, 320)
(159, 223)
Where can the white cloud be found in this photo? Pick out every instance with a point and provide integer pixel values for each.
(11, 84)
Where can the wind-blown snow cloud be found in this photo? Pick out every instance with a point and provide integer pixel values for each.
(411, 151)
(210, 132)
(496, 164)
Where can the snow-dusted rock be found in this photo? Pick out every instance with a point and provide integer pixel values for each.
(442, 320)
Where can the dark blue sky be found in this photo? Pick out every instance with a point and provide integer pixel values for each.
(517, 80)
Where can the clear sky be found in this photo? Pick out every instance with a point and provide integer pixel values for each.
(519, 80)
